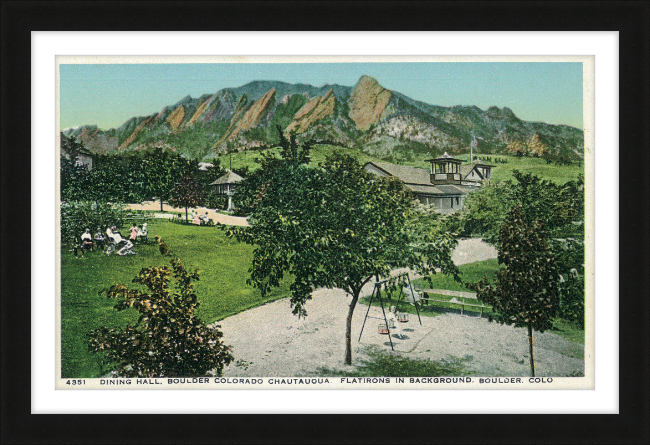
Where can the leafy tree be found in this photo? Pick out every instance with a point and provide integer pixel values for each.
(75, 181)
(525, 292)
(117, 178)
(168, 340)
(74, 177)
(291, 151)
(188, 192)
(336, 226)
(559, 209)
(163, 169)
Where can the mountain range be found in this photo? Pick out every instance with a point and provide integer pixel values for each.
(366, 116)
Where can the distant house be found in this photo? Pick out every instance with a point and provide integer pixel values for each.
(83, 156)
(225, 185)
(445, 185)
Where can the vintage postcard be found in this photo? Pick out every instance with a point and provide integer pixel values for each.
(325, 222)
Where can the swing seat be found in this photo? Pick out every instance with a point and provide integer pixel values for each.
(382, 329)
(403, 317)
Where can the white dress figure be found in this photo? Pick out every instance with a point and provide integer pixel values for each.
(393, 323)
(143, 232)
(412, 296)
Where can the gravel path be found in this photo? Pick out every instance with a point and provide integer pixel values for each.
(269, 341)
(216, 217)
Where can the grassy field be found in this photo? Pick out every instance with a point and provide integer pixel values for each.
(553, 172)
(222, 290)
(556, 173)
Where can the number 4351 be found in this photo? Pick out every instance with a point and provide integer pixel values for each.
(76, 382)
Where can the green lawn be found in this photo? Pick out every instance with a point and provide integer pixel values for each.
(223, 265)
(470, 273)
(554, 172)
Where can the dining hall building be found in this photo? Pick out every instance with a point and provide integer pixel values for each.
(445, 185)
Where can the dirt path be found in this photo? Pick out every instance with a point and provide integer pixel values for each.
(216, 217)
(269, 341)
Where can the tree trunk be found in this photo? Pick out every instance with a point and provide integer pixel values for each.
(530, 343)
(161, 204)
(348, 329)
(186, 219)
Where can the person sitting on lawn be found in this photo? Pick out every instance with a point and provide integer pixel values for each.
(100, 239)
(196, 219)
(134, 232)
(114, 238)
(126, 249)
(143, 232)
(206, 220)
(86, 243)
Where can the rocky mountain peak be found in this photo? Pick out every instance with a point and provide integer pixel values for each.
(368, 102)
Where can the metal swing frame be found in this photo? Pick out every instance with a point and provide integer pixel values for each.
(376, 293)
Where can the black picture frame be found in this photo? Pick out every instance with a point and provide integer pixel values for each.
(630, 19)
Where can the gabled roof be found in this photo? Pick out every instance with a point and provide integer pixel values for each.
(466, 169)
(408, 175)
(228, 178)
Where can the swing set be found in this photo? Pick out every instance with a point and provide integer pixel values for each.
(389, 285)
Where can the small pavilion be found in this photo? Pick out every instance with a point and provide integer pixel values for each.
(225, 186)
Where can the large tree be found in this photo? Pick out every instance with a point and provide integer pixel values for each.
(335, 226)
(163, 169)
(188, 192)
(525, 292)
(560, 210)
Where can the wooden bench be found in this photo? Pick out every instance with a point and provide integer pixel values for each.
(454, 300)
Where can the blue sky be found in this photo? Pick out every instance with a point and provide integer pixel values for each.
(108, 95)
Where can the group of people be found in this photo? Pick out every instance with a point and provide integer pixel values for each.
(201, 220)
(113, 239)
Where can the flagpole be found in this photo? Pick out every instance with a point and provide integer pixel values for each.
(471, 149)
